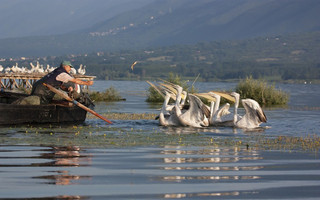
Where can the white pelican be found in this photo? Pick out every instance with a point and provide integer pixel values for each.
(135, 62)
(1, 68)
(253, 117)
(7, 70)
(215, 112)
(165, 118)
(82, 69)
(197, 114)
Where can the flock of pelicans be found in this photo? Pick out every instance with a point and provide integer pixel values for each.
(38, 69)
(197, 114)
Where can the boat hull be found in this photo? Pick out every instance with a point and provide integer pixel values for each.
(12, 114)
(27, 114)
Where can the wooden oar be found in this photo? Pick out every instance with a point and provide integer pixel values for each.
(64, 95)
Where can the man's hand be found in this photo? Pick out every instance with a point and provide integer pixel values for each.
(90, 82)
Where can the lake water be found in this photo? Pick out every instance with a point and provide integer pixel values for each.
(168, 171)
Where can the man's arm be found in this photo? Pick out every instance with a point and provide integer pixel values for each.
(80, 82)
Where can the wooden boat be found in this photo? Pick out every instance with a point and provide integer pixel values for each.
(57, 112)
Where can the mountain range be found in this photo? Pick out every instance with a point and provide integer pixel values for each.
(97, 25)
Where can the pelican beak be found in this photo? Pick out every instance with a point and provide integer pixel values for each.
(226, 96)
(206, 96)
(156, 88)
(172, 89)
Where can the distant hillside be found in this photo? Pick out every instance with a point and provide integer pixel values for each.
(169, 22)
(278, 58)
(21, 18)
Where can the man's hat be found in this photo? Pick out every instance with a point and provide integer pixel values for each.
(64, 63)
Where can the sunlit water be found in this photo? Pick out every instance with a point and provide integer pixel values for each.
(169, 172)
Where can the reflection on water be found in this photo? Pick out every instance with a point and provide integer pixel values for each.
(58, 159)
(209, 160)
(64, 157)
(155, 173)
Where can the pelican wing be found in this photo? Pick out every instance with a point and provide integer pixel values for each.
(262, 117)
(253, 109)
(224, 110)
(199, 106)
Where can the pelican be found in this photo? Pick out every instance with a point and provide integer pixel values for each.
(7, 70)
(165, 118)
(133, 65)
(1, 68)
(253, 117)
(82, 69)
(179, 99)
(197, 114)
(215, 112)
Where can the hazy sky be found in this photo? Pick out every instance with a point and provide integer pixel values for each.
(38, 17)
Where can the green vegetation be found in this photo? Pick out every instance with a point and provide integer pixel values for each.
(110, 94)
(278, 58)
(260, 91)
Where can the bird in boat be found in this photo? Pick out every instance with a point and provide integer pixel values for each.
(252, 118)
(15, 68)
(82, 69)
(73, 71)
(33, 68)
(7, 70)
(49, 69)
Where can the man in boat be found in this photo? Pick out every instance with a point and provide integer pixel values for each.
(58, 78)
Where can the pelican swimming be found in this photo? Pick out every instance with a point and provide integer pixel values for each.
(196, 116)
(253, 117)
(168, 118)
(215, 112)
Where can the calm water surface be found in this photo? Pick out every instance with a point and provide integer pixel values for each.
(169, 172)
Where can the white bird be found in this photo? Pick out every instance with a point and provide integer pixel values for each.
(49, 69)
(135, 62)
(181, 99)
(165, 118)
(7, 70)
(215, 112)
(253, 117)
(41, 69)
(82, 69)
(15, 68)
(73, 71)
(1, 68)
(33, 68)
(197, 114)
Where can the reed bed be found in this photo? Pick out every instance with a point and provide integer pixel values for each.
(110, 94)
(262, 92)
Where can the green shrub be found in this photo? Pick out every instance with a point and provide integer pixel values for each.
(260, 91)
(109, 94)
